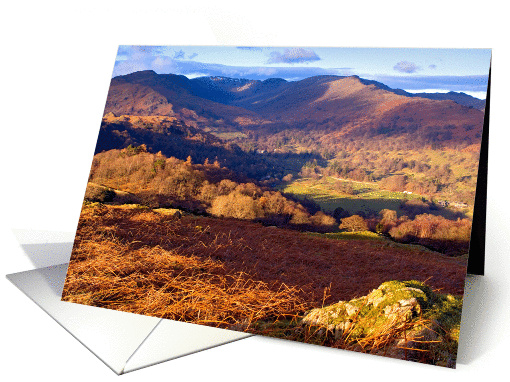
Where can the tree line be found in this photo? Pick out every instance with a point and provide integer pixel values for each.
(207, 188)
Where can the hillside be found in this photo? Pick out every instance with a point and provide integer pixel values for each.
(460, 98)
(174, 138)
(133, 175)
(346, 127)
(307, 264)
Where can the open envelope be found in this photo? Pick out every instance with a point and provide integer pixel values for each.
(123, 341)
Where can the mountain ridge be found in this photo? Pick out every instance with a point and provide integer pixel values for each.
(338, 106)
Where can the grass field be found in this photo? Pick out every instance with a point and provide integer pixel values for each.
(368, 197)
(361, 235)
(229, 135)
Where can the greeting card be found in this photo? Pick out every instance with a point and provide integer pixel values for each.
(330, 196)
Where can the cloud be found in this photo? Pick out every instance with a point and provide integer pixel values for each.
(179, 54)
(136, 58)
(256, 48)
(164, 60)
(150, 49)
(406, 67)
(475, 83)
(292, 56)
(161, 64)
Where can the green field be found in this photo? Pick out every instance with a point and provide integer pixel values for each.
(368, 197)
(376, 240)
(362, 235)
(229, 135)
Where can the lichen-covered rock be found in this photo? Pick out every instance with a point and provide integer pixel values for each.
(171, 212)
(406, 316)
(350, 309)
(392, 302)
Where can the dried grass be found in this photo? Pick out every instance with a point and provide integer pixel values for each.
(230, 273)
(133, 272)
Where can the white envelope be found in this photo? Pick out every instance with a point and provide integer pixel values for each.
(123, 341)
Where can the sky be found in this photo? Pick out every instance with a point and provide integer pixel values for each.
(411, 69)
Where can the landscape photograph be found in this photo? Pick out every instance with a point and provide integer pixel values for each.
(314, 194)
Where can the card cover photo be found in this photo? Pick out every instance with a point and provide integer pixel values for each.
(319, 195)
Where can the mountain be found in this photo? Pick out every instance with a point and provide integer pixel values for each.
(460, 98)
(334, 107)
(149, 93)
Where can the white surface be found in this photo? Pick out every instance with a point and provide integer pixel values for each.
(56, 63)
(173, 339)
(45, 248)
(31, 237)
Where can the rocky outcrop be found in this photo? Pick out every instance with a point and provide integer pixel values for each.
(172, 212)
(405, 320)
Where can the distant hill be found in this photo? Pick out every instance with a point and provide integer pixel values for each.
(460, 98)
(336, 107)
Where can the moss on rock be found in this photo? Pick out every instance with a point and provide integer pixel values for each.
(401, 319)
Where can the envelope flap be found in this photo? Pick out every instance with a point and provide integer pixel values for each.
(173, 339)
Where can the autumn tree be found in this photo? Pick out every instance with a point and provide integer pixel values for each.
(388, 221)
(353, 223)
(394, 183)
(235, 205)
(322, 219)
